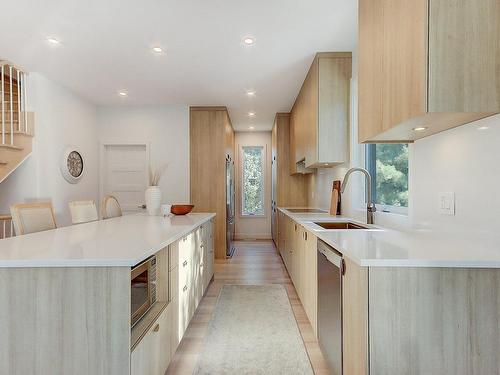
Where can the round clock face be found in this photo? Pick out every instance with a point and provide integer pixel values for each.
(74, 164)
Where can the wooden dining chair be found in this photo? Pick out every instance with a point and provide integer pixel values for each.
(83, 211)
(32, 217)
(110, 207)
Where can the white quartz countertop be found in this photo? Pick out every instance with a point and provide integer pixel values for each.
(121, 241)
(382, 247)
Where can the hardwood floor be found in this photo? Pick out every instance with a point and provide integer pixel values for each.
(254, 262)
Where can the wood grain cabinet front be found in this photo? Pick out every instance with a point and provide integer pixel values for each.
(320, 116)
(211, 140)
(287, 190)
(191, 276)
(152, 355)
(426, 66)
(300, 257)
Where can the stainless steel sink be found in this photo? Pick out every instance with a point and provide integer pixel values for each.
(339, 225)
(306, 210)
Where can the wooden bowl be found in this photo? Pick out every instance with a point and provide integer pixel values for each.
(181, 209)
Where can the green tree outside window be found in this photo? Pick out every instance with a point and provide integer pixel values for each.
(388, 166)
(253, 181)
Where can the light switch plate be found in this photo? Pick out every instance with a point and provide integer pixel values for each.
(446, 204)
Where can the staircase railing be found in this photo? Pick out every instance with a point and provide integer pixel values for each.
(6, 226)
(14, 114)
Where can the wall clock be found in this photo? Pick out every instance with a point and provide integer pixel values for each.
(72, 165)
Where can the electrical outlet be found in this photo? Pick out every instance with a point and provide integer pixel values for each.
(447, 203)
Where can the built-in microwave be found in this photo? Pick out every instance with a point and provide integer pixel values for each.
(143, 288)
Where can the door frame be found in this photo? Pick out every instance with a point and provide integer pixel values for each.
(102, 152)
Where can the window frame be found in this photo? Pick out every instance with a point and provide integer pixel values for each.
(371, 167)
(262, 148)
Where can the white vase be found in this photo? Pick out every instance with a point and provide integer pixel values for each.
(153, 200)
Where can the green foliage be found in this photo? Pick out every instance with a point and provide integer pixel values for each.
(253, 181)
(392, 174)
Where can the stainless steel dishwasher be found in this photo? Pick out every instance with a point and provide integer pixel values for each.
(330, 271)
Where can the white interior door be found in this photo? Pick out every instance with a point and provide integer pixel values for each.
(125, 175)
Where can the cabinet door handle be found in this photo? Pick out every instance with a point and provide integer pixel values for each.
(305, 236)
(185, 288)
(185, 263)
(156, 328)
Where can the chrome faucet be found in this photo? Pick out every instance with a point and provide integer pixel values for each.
(370, 206)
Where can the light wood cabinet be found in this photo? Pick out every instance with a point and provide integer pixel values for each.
(152, 355)
(299, 252)
(190, 277)
(426, 63)
(319, 122)
(208, 255)
(287, 190)
(280, 244)
(211, 142)
(309, 280)
(355, 319)
(395, 319)
(296, 251)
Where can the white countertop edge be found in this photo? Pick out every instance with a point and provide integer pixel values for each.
(425, 263)
(307, 220)
(75, 263)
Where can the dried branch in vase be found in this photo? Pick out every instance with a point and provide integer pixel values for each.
(155, 174)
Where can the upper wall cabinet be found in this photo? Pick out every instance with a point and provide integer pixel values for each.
(319, 121)
(426, 66)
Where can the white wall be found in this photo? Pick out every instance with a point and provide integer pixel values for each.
(463, 160)
(253, 227)
(165, 129)
(61, 119)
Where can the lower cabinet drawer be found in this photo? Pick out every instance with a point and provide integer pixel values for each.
(153, 353)
(185, 305)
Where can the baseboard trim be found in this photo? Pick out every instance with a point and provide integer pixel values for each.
(252, 237)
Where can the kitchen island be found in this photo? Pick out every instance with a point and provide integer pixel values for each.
(65, 294)
(413, 302)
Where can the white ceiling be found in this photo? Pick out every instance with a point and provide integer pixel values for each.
(106, 47)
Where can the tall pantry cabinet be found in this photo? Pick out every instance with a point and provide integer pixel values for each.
(211, 143)
(287, 190)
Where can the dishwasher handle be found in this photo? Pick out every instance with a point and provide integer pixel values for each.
(332, 256)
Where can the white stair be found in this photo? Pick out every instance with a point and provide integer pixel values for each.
(16, 124)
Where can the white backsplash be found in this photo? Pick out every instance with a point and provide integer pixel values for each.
(464, 160)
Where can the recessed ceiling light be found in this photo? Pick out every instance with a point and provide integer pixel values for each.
(123, 94)
(248, 40)
(53, 41)
(420, 128)
(157, 50)
(250, 93)
(483, 128)
(251, 114)
(251, 127)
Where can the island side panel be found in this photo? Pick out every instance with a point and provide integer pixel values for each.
(59, 321)
(434, 321)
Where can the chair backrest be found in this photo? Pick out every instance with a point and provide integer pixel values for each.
(110, 207)
(83, 211)
(32, 217)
